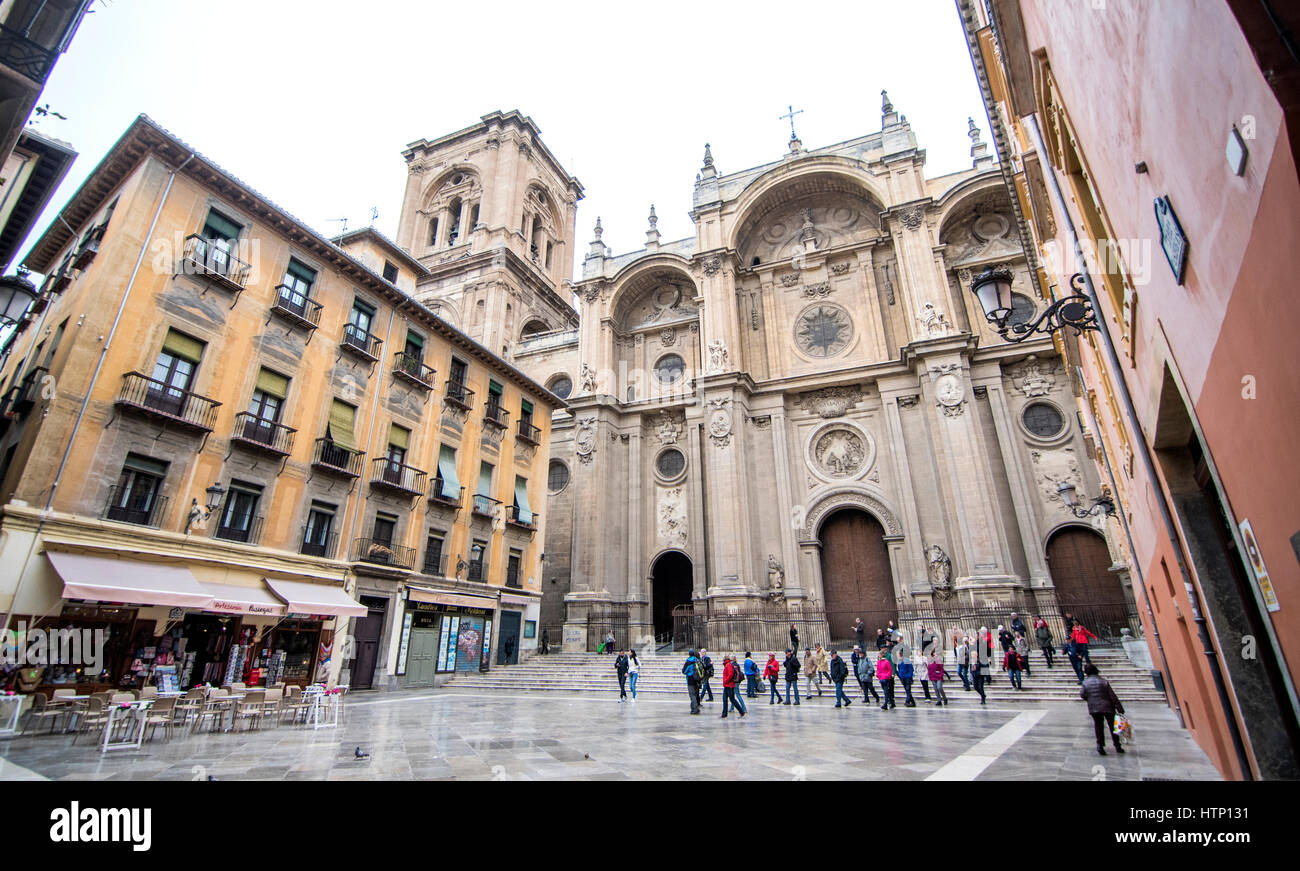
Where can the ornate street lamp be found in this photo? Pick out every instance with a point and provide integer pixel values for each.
(992, 288)
(215, 493)
(16, 296)
(1102, 505)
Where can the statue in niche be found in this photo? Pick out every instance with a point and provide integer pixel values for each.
(933, 322)
(717, 355)
(588, 379)
(939, 569)
(775, 573)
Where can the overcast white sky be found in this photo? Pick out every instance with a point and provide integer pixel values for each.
(310, 103)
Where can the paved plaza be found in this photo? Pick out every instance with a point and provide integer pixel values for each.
(449, 734)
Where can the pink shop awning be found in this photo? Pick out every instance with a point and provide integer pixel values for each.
(106, 579)
(231, 599)
(324, 598)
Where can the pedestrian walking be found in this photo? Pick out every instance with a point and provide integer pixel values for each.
(979, 669)
(1005, 639)
(1011, 665)
(751, 676)
(694, 672)
(984, 650)
(633, 669)
(1103, 704)
(794, 638)
(1018, 625)
(823, 666)
(929, 640)
(791, 664)
(1080, 635)
(771, 673)
(957, 635)
(546, 642)
(935, 671)
(810, 673)
(706, 665)
(962, 653)
(885, 674)
(839, 673)
(1043, 635)
(1021, 645)
(609, 642)
(866, 672)
(881, 641)
(731, 675)
(1076, 661)
(859, 631)
(620, 668)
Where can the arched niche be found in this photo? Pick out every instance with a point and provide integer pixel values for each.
(835, 208)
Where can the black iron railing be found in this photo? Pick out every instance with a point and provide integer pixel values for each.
(297, 307)
(26, 57)
(142, 509)
(494, 414)
(318, 548)
(21, 398)
(266, 435)
(528, 433)
(411, 368)
(361, 342)
(211, 258)
(478, 570)
(335, 458)
(156, 398)
(459, 394)
(485, 505)
(516, 516)
(89, 247)
(397, 476)
(438, 492)
(244, 533)
(383, 553)
(435, 564)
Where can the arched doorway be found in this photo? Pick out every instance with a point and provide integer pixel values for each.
(672, 582)
(856, 576)
(1079, 563)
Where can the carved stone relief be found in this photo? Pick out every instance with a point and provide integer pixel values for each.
(1053, 467)
(669, 429)
(720, 422)
(585, 439)
(830, 401)
(1034, 377)
(671, 516)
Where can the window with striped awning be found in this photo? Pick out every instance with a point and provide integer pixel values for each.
(342, 417)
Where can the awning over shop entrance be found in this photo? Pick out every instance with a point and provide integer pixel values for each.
(442, 597)
(230, 599)
(106, 579)
(304, 598)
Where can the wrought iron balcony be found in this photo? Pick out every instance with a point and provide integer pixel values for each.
(296, 307)
(438, 493)
(26, 57)
(131, 509)
(207, 258)
(157, 399)
(318, 548)
(494, 414)
(21, 398)
(435, 564)
(263, 435)
(383, 553)
(485, 505)
(459, 395)
(89, 247)
(513, 517)
(62, 277)
(249, 534)
(361, 342)
(512, 579)
(336, 459)
(528, 433)
(412, 369)
(397, 476)
(478, 571)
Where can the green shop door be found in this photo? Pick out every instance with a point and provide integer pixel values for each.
(422, 657)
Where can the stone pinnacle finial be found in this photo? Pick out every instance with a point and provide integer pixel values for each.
(598, 229)
(973, 132)
(708, 155)
(885, 106)
(654, 219)
(652, 234)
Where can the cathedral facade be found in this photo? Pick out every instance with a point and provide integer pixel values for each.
(798, 409)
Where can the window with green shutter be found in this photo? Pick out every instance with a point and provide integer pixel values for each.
(218, 226)
(447, 472)
(399, 437)
(272, 384)
(183, 346)
(485, 479)
(523, 511)
(340, 430)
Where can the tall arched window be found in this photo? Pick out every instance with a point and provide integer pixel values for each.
(453, 221)
(473, 217)
(433, 232)
(535, 244)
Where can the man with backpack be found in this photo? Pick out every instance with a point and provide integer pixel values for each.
(1044, 635)
(791, 677)
(693, 672)
(839, 673)
(866, 673)
(751, 676)
(706, 674)
(730, 682)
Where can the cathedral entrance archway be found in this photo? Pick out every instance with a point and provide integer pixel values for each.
(856, 576)
(1079, 563)
(672, 583)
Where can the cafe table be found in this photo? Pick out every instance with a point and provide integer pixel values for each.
(137, 712)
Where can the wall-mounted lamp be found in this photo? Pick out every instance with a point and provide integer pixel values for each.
(1102, 505)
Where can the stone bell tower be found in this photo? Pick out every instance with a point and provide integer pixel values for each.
(490, 212)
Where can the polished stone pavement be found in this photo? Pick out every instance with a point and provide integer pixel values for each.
(541, 736)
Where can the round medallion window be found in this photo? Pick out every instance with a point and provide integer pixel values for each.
(561, 386)
(557, 476)
(823, 330)
(669, 369)
(1022, 309)
(670, 464)
(1043, 420)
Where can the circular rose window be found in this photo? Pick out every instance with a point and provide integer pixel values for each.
(670, 464)
(1043, 420)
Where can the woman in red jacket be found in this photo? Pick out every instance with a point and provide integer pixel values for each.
(731, 677)
(1080, 635)
(885, 674)
(772, 673)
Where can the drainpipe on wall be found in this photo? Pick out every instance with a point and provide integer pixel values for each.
(1148, 462)
(90, 389)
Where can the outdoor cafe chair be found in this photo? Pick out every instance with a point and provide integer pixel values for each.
(149, 692)
(271, 704)
(93, 717)
(249, 709)
(41, 711)
(190, 703)
(162, 713)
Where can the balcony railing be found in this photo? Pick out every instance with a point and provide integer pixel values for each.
(435, 564)
(397, 476)
(296, 307)
(478, 571)
(250, 534)
(26, 57)
(383, 553)
(63, 275)
(132, 512)
(21, 398)
(438, 492)
(89, 247)
(512, 579)
(263, 435)
(410, 368)
(211, 259)
(318, 548)
(494, 414)
(157, 399)
(361, 342)
(485, 505)
(528, 433)
(513, 516)
(459, 394)
(336, 459)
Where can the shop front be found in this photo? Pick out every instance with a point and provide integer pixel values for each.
(444, 634)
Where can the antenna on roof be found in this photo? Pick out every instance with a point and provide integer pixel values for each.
(343, 221)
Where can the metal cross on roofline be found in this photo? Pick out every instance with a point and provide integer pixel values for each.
(790, 114)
